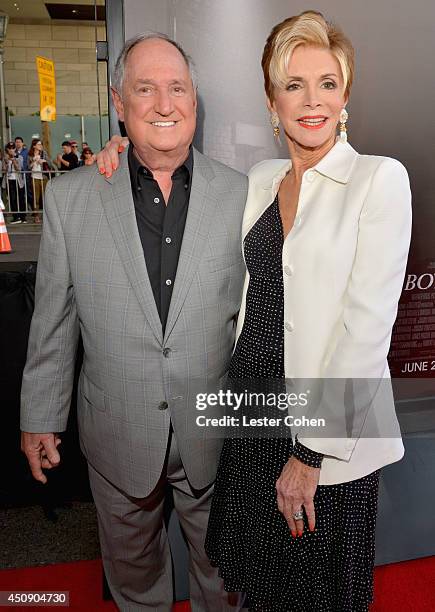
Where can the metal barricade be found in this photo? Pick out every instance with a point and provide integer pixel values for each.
(26, 204)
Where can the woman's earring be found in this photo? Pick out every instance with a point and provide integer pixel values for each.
(344, 116)
(274, 120)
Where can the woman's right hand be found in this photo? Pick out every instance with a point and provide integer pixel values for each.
(108, 158)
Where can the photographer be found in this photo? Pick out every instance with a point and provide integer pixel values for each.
(13, 181)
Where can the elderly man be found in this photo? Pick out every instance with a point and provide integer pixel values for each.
(148, 267)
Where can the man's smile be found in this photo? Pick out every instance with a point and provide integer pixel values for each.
(164, 124)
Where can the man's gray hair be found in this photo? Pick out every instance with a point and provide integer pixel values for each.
(119, 72)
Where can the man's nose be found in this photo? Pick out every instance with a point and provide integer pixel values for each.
(163, 103)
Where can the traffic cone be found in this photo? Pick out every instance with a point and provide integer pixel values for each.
(5, 245)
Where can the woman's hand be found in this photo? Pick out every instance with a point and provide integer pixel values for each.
(108, 158)
(296, 488)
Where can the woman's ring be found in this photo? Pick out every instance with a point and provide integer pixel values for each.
(299, 515)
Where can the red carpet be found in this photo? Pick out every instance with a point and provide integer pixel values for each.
(82, 579)
(406, 587)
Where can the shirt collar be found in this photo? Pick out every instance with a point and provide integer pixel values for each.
(337, 165)
(135, 166)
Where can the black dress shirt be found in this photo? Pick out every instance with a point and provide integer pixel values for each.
(71, 158)
(160, 225)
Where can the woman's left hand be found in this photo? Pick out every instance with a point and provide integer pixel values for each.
(296, 488)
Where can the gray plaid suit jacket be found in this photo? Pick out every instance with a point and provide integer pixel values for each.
(92, 278)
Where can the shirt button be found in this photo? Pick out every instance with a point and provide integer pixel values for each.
(298, 221)
(168, 282)
(186, 186)
(163, 406)
(168, 240)
(288, 270)
(156, 200)
(289, 326)
(166, 352)
(310, 176)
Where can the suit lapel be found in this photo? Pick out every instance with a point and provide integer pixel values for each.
(201, 209)
(117, 200)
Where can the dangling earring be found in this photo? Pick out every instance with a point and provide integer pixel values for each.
(344, 116)
(274, 120)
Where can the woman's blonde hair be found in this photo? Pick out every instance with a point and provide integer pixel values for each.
(308, 28)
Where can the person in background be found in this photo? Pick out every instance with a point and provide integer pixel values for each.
(87, 157)
(67, 160)
(27, 182)
(22, 150)
(75, 148)
(85, 145)
(13, 181)
(38, 166)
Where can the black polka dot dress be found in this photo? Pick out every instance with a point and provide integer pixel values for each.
(328, 570)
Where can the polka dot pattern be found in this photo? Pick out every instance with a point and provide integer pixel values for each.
(328, 570)
(306, 455)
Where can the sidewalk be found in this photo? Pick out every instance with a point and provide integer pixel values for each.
(25, 238)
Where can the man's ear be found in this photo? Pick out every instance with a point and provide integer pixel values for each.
(195, 100)
(117, 101)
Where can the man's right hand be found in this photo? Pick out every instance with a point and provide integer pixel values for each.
(108, 158)
(41, 452)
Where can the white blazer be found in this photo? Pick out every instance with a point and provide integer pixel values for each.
(343, 268)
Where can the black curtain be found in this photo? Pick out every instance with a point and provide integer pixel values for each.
(69, 481)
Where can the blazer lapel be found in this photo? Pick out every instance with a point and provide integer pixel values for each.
(201, 209)
(117, 200)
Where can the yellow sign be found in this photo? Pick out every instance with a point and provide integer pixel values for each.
(47, 88)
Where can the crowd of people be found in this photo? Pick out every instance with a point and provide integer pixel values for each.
(25, 173)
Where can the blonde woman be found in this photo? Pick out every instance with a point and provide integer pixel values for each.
(325, 239)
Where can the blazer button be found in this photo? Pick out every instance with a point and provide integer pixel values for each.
(289, 326)
(163, 406)
(310, 176)
(166, 352)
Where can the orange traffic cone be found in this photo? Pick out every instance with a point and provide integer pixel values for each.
(5, 245)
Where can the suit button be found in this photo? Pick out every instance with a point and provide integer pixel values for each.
(289, 326)
(288, 270)
(163, 406)
(166, 352)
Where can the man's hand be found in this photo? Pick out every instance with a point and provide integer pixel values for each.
(41, 452)
(108, 158)
(296, 488)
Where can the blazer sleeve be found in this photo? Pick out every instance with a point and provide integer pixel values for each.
(54, 332)
(373, 292)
